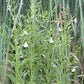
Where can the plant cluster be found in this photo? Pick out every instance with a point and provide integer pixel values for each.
(40, 47)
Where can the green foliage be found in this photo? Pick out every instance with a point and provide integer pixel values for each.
(40, 45)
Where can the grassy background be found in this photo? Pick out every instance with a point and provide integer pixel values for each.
(74, 8)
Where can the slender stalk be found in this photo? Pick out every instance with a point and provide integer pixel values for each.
(2, 40)
(82, 24)
(0, 31)
(82, 29)
(32, 8)
(21, 3)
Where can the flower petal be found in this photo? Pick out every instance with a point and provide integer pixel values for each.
(51, 40)
(25, 32)
(26, 45)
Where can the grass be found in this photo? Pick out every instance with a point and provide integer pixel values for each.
(40, 42)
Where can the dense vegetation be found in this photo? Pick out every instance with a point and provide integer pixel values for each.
(41, 42)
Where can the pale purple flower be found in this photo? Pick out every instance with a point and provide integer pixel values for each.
(51, 71)
(26, 45)
(51, 40)
(75, 20)
(13, 18)
(9, 8)
(25, 32)
(35, 19)
(21, 56)
(14, 40)
(59, 29)
(73, 70)
(40, 69)
(59, 45)
(43, 55)
(25, 74)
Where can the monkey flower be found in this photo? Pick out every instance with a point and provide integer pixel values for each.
(25, 32)
(51, 40)
(59, 29)
(26, 45)
(73, 70)
(35, 19)
(75, 20)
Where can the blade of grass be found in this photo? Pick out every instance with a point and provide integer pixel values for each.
(82, 30)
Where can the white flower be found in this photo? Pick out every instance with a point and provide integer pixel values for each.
(51, 71)
(59, 45)
(25, 74)
(13, 19)
(40, 69)
(9, 8)
(43, 55)
(26, 45)
(25, 32)
(21, 56)
(59, 29)
(14, 40)
(73, 70)
(75, 20)
(51, 40)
